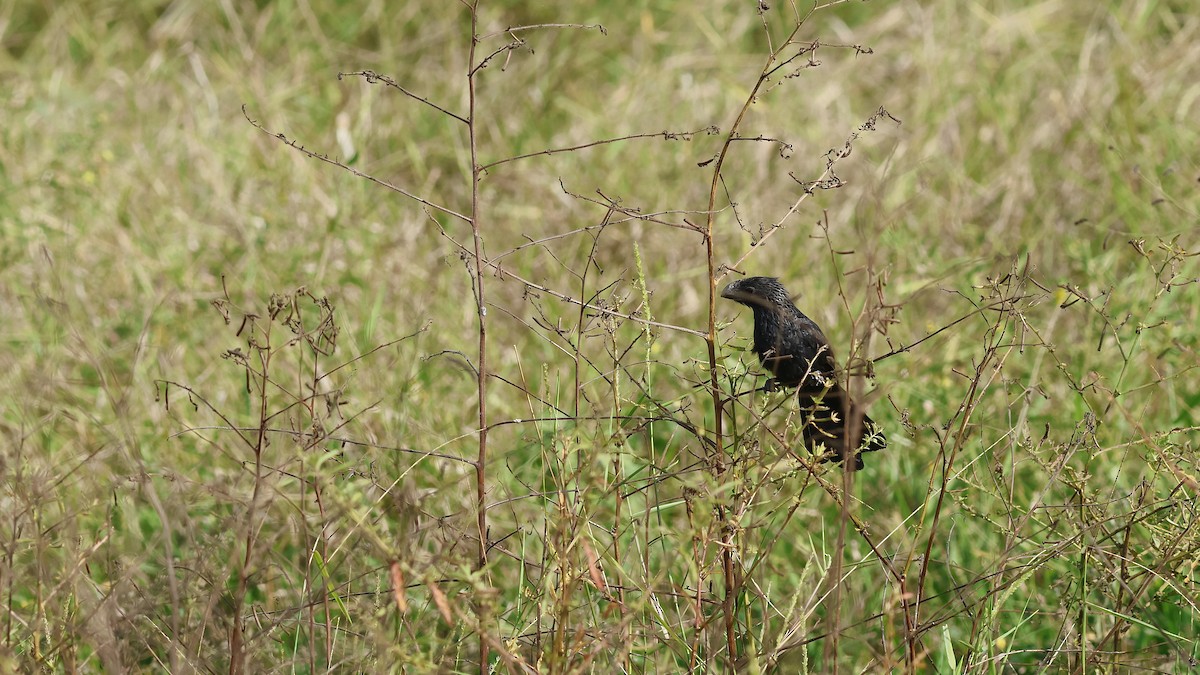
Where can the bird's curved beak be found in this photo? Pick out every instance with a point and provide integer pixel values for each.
(733, 291)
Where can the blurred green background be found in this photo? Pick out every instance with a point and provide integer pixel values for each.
(1055, 141)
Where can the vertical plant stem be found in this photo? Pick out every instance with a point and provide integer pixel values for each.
(1083, 579)
(994, 338)
(1116, 629)
(237, 656)
(728, 533)
(481, 362)
(714, 384)
(718, 409)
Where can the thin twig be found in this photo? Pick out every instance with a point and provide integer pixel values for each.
(346, 167)
(505, 273)
(536, 26)
(666, 135)
(372, 77)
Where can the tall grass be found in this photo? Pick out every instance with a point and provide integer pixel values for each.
(390, 388)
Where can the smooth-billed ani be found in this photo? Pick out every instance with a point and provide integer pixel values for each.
(796, 352)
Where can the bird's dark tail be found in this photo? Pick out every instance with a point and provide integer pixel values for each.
(836, 427)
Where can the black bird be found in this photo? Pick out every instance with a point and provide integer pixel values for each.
(796, 352)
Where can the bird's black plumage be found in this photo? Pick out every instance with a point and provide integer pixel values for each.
(794, 349)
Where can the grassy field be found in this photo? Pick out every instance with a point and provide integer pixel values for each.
(241, 353)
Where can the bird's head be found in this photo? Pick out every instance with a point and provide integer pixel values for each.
(758, 292)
